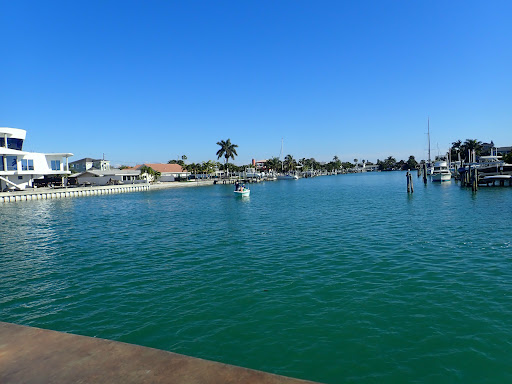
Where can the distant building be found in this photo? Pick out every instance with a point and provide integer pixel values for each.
(87, 163)
(260, 164)
(19, 169)
(504, 150)
(365, 167)
(168, 172)
(108, 177)
(486, 147)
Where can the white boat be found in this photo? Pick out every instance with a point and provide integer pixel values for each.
(493, 165)
(243, 192)
(287, 176)
(441, 172)
(489, 166)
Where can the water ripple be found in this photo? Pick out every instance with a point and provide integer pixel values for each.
(336, 279)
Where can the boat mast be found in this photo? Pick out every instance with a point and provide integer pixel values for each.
(281, 154)
(428, 133)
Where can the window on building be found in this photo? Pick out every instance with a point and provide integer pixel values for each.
(55, 164)
(12, 164)
(1, 163)
(16, 144)
(27, 165)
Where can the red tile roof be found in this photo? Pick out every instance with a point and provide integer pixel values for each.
(162, 168)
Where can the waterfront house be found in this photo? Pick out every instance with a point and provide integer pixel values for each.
(19, 169)
(108, 177)
(168, 172)
(260, 165)
(87, 163)
(486, 147)
(504, 150)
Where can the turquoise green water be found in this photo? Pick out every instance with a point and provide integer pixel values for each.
(335, 279)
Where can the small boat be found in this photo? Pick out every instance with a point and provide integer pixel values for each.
(288, 176)
(441, 171)
(493, 165)
(497, 177)
(243, 192)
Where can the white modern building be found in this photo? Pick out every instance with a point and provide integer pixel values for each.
(87, 163)
(19, 169)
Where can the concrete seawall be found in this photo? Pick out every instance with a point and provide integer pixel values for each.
(58, 193)
(32, 355)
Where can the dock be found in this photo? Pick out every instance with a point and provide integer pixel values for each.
(32, 355)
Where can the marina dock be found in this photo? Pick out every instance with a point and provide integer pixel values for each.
(33, 355)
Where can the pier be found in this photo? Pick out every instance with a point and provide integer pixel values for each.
(33, 355)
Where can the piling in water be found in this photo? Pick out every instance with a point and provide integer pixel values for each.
(410, 187)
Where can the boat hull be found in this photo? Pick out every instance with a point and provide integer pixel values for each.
(439, 177)
(247, 192)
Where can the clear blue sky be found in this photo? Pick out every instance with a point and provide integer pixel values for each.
(147, 81)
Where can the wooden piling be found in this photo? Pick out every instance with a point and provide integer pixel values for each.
(474, 184)
(425, 173)
(410, 187)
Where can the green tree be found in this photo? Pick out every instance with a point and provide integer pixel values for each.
(468, 146)
(455, 149)
(209, 167)
(411, 163)
(227, 149)
(149, 173)
(337, 162)
(289, 163)
(179, 162)
(387, 165)
(273, 164)
(507, 158)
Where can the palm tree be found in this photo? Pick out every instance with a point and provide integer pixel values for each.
(227, 149)
(209, 167)
(273, 164)
(336, 161)
(468, 146)
(289, 162)
(151, 174)
(455, 149)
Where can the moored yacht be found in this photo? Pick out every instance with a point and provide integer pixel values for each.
(441, 172)
(287, 176)
(493, 165)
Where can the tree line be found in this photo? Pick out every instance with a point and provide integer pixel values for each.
(228, 151)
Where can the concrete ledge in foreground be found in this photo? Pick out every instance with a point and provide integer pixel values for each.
(33, 355)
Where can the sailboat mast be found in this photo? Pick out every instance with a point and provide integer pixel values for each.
(428, 133)
(281, 154)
